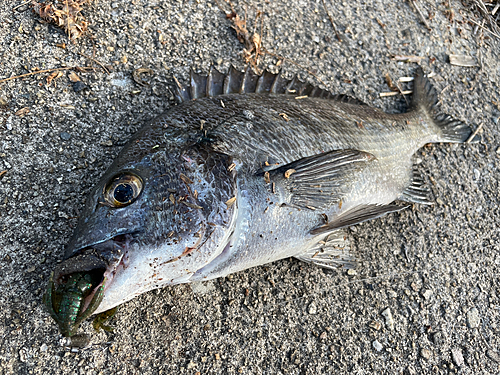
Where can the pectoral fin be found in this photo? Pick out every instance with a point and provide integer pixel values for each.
(320, 181)
(357, 215)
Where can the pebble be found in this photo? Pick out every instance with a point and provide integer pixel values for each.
(392, 294)
(458, 358)
(312, 309)
(23, 355)
(375, 325)
(44, 348)
(425, 353)
(477, 174)
(493, 355)
(352, 272)
(79, 86)
(108, 143)
(377, 345)
(438, 338)
(65, 136)
(498, 150)
(473, 318)
(427, 294)
(389, 320)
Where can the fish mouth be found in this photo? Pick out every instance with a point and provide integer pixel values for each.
(114, 252)
(102, 261)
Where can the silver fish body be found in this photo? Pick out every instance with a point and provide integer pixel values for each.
(245, 175)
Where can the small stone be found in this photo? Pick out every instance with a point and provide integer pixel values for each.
(65, 136)
(425, 353)
(439, 201)
(352, 272)
(43, 348)
(498, 150)
(191, 365)
(312, 309)
(375, 325)
(389, 320)
(494, 356)
(323, 335)
(477, 174)
(108, 143)
(217, 356)
(438, 338)
(79, 86)
(458, 358)
(473, 318)
(392, 294)
(427, 294)
(23, 355)
(377, 345)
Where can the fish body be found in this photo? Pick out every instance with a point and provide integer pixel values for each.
(255, 169)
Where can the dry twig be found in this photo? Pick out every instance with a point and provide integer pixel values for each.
(422, 18)
(331, 21)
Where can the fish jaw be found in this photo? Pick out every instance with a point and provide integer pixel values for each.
(78, 284)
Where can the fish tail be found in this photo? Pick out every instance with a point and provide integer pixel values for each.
(425, 99)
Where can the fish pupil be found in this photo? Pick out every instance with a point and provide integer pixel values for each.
(123, 193)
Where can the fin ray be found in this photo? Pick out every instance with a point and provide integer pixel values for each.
(425, 99)
(320, 181)
(358, 215)
(333, 252)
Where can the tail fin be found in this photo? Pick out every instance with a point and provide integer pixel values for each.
(425, 98)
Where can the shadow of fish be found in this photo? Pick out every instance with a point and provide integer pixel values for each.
(247, 170)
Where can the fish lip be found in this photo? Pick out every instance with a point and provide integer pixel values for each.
(121, 243)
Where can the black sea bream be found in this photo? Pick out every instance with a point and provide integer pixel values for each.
(246, 170)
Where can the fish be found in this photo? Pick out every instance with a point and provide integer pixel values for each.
(246, 170)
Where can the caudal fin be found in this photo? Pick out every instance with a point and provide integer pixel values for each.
(425, 98)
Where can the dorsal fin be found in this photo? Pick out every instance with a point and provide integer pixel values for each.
(236, 82)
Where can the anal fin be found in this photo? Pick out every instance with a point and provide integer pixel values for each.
(417, 191)
(332, 252)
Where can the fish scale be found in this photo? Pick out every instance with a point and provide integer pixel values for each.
(247, 170)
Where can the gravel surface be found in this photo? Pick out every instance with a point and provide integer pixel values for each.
(425, 297)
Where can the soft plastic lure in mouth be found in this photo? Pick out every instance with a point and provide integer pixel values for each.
(66, 304)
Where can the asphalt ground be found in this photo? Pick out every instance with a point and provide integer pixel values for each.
(425, 297)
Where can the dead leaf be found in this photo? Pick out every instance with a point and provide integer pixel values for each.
(53, 76)
(73, 77)
(230, 202)
(267, 178)
(409, 59)
(22, 111)
(192, 205)
(289, 172)
(462, 60)
(136, 75)
(65, 15)
(185, 178)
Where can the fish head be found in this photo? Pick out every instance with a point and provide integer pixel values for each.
(157, 215)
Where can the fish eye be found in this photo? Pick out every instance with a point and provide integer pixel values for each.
(123, 189)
